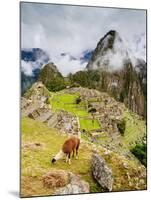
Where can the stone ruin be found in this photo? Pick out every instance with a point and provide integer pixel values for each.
(67, 123)
(34, 105)
(108, 113)
(61, 120)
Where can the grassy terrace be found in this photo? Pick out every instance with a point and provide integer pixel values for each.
(88, 125)
(135, 129)
(67, 102)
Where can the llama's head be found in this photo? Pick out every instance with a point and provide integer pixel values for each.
(58, 156)
(53, 160)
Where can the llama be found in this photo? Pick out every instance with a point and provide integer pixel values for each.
(71, 145)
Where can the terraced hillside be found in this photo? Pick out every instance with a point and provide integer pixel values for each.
(67, 102)
(93, 129)
(40, 143)
(42, 139)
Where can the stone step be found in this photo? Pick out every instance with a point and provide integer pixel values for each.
(44, 116)
(52, 122)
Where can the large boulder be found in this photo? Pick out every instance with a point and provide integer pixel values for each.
(75, 186)
(101, 172)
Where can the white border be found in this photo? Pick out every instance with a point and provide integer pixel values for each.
(9, 98)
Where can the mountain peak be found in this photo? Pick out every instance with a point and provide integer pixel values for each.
(50, 67)
(111, 32)
(48, 73)
(110, 53)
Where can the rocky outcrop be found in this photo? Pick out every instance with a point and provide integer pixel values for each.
(101, 172)
(76, 186)
(38, 92)
(67, 123)
(34, 103)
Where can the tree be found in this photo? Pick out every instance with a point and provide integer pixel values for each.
(140, 151)
(92, 111)
(56, 84)
(78, 100)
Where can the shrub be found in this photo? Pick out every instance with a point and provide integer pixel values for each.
(78, 100)
(56, 84)
(140, 151)
(92, 110)
(121, 125)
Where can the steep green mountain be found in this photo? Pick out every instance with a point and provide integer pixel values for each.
(52, 78)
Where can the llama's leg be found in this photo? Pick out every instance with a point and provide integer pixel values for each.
(66, 158)
(69, 159)
(73, 153)
(77, 151)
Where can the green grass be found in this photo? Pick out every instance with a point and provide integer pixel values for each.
(36, 162)
(67, 102)
(88, 124)
(135, 129)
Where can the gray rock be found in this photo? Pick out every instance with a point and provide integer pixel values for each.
(101, 172)
(75, 186)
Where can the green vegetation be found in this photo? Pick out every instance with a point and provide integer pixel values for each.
(52, 78)
(121, 126)
(68, 102)
(88, 124)
(88, 78)
(140, 151)
(36, 162)
(56, 84)
(135, 129)
(78, 100)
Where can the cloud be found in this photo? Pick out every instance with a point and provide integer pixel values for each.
(73, 29)
(114, 58)
(27, 68)
(67, 65)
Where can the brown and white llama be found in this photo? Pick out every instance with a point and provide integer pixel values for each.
(71, 145)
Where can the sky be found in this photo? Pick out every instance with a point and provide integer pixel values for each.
(73, 30)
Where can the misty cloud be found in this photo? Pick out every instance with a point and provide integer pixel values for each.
(27, 68)
(60, 28)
